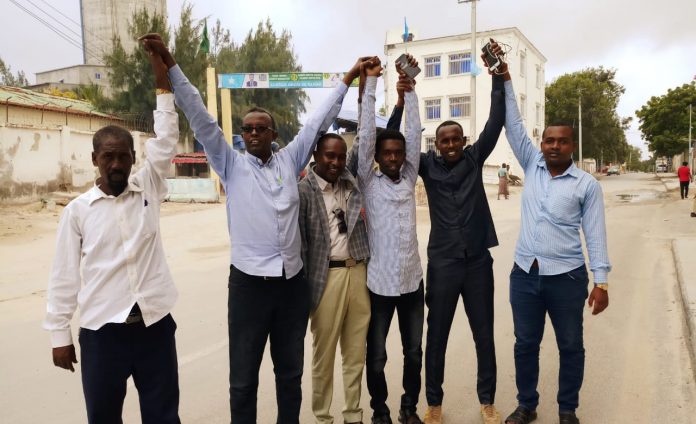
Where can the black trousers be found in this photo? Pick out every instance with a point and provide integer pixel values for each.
(409, 308)
(116, 351)
(684, 189)
(260, 309)
(447, 281)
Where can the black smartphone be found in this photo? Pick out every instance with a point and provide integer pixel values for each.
(411, 71)
(492, 61)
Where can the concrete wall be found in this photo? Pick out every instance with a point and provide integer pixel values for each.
(24, 116)
(35, 161)
(445, 86)
(79, 75)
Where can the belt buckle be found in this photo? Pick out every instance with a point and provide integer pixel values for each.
(350, 262)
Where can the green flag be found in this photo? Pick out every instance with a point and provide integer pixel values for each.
(205, 43)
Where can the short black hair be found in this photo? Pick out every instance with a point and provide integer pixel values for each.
(257, 109)
(561, 123)
(328, 136)
(114, 131)
(388, 134)
(685, 163)
(447, 124)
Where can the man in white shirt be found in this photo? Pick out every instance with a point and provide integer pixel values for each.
(125, 291)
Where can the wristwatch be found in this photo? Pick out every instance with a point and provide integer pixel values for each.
(603, 286)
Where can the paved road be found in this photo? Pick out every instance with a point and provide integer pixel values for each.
(637, 368)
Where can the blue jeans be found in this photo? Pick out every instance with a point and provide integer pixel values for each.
(563, 297)
(410, 310)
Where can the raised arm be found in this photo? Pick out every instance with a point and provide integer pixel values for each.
(367, 128)
(63, 286)
(160, 150)
(496, 116)
(412, 131)
(302, 146)
(204, 126)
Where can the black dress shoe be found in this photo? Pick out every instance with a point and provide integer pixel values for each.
(381, 419)
(521, 415)
(568, 418)
(409, 417)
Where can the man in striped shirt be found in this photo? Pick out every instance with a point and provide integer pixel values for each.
(394, 273)
(549, 274)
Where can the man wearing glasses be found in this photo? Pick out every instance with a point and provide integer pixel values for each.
(335, 250)
(268, 294)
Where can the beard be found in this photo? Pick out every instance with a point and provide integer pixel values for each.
(118, 181)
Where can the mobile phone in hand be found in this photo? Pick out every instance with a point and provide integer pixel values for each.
(409, 70)
(492, 61)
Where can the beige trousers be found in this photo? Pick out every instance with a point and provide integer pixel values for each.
(343, 314)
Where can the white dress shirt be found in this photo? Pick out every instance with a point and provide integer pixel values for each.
(116, 243)
(335, 197)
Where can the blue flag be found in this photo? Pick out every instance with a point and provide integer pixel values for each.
(405, 30)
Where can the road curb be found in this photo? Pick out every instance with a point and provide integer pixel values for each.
(689, 314)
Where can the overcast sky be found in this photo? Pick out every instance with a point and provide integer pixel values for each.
(650, 43)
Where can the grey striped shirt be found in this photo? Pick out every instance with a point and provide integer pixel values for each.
(395, 265)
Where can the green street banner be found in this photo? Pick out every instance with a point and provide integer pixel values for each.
(281, 80)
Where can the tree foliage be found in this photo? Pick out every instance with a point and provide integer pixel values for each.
(664, 120)
(263, 50)
(8, 78)
(602, 128)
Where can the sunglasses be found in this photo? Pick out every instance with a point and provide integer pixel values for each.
(342, 226)
(260, 129)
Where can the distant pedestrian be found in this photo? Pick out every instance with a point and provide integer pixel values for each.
(684, 174)
(503, 182)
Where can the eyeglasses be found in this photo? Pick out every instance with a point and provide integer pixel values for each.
(342, 226)
(260, 129)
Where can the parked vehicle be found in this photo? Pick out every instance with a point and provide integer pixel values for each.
(613, 170)
(661, 168)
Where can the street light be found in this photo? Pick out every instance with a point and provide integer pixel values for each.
(472, 125)
(691, 153)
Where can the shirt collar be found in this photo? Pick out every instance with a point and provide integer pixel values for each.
(258, 162)
(572, 170)
(345, 178)
(379, 173)
(96, 193)
(323, 184)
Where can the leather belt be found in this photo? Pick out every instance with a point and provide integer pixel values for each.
(348, 263)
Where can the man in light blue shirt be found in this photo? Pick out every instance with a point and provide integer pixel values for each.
(549, 274)
(268, 294)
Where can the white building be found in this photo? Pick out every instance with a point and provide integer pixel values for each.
(444, 85)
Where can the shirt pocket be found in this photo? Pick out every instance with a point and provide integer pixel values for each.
(564, 209)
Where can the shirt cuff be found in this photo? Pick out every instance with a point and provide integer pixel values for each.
(165, 102)
(60, 338)
(371, 82)
(600, 276)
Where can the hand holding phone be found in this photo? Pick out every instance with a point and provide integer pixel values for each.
(410, 70)
(491, 59)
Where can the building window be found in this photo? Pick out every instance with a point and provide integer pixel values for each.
(430, 144)
(523, 106)
(432, 66)
(539, 77)
(432, 109)
(460, 106)
(459, 63)
(523, 63)
(97, 75)
(538, 115)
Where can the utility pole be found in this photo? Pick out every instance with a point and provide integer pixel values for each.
(580, 127)
(472, 89)
(691, 153)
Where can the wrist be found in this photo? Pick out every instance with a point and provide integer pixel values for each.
(602, 286)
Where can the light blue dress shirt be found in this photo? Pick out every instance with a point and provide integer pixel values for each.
(262, 198)
(555, 208)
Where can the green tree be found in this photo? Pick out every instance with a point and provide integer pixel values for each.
(8, 78)
(263, 50)
(664, 120)
(602, 127)
(131, 75)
